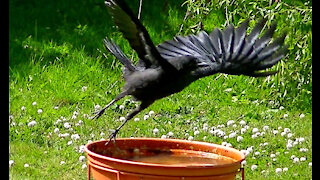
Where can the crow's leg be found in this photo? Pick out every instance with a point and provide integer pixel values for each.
(142, 106)
(99, 113)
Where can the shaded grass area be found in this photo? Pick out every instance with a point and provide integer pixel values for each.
(56, 49)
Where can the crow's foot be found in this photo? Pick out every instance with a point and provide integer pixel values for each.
(112, 136)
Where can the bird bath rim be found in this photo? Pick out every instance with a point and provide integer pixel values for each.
(139, 163)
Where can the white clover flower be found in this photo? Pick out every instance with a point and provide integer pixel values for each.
(272, 155)
(265, 128)
(23, 108)
(32, 123)
(62, 162)
(228, 90)
(56, 107)
(190, 138)
(232, 135)
(310, 164)
(151, 113)
(243, 130)
(281, 108)
(56, 130)
(84, 166)
(66, 125)
(145, 117)
(102, 134)
(289, 135)
(81, 148)
(254, 167)
(283, 133)
(121, 106)
(301, 139)
(195, 133)
(73, 117)
(278, 170)
(79, 123)
(229, 145)
(82, 158)
(285, 169)
(242, 123)
(234, 99)
(253, 136)
(255, 130)
(163, 136)
(303, 150)
(257, 153)
(205, 127)
(84, 88)
(122, 118)
(275, 132)
(69, 143)
(34, 103)
(63, 118)
(239, 138)
(11, 163)
(287, 130)
(221, 133)
(230, 122)
(170, 134)
(250, 149)
(26, 165)
(76, 113)
(243, 163)
(155, 131)
(136, 119)
(285, 116)
(75, 136)
(211, 132)
(302, 116)
(57, 122)
(295, 160)
(97, 107)
(64, 135)
(303, 159)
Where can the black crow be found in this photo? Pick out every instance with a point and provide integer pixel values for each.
(171, 66)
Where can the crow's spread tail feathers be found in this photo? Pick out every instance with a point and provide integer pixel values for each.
(230, 51)
(116, 51)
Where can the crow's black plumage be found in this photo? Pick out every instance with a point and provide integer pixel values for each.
(171, 66)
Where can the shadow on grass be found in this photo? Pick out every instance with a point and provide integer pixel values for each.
(56, 27)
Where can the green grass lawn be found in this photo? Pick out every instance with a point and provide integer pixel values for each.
(59, 72)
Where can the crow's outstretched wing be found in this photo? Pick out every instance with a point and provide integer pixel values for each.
(229, 51)
(136, 34)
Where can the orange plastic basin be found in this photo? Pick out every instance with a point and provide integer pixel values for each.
(119, 161)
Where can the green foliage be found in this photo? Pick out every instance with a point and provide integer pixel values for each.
(292, 86)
